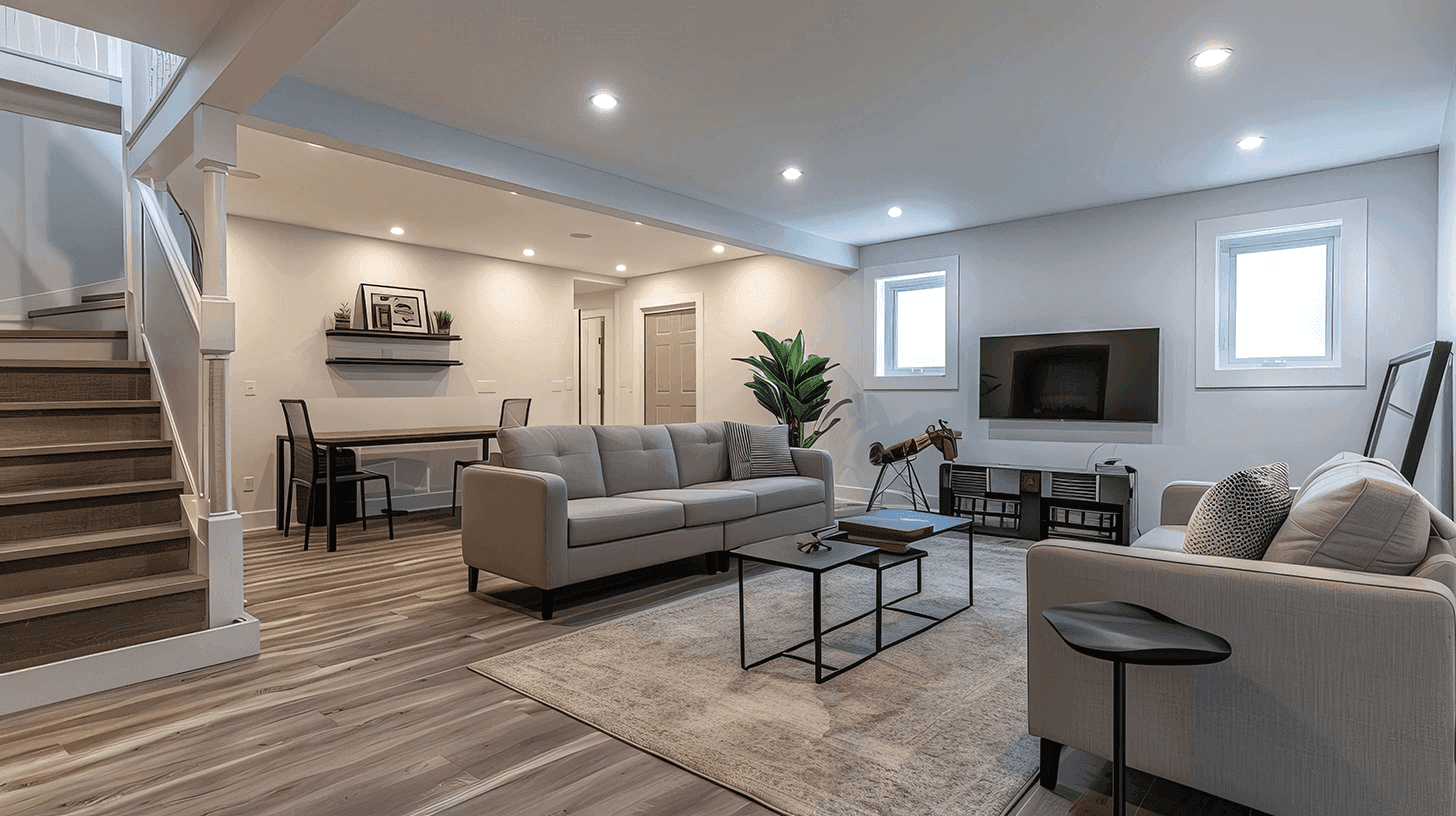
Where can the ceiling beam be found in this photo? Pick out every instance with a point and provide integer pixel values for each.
(301, 110)
(254, 43)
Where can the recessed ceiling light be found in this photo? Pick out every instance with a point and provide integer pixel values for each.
(896, 212)
(242, 174)
(602, 100)
(529, 252)
(311, 144)
(397, 230)
(513, 192)
(717, 247)
(621, 267)
(638, 223)
(1211, 57)
(1251, 142)
(791, 173)
(581, 235)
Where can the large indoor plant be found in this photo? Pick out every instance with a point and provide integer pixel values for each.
(791, 385)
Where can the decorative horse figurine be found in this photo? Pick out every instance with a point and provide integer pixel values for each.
(903, 453)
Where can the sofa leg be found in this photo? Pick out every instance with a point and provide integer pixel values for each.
(548, 607)
(1051, 757)
(474, 578)
(710, 563)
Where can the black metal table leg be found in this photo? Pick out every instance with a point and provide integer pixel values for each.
(1119, 738)
(818, 631)
(742, 622)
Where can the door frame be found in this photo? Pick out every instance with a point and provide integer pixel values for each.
(664, 303)
(609, 366)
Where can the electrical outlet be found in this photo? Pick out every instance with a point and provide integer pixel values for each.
(485, 386)
(556, 385)
(248, 484)
(250, 388)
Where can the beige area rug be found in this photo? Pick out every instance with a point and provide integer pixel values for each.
(934, 725)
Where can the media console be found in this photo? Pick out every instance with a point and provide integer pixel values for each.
(1036, 503)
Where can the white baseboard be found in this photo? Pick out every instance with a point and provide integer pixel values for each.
(37, 686)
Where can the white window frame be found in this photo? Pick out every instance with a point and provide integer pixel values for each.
(932, 380)
(1345, 364)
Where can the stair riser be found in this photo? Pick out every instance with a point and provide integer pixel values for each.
(72, 634)
(80, 469)
(71, 384)
(81, 569)
(48, 519)
(100, 350)
(27, 428)
(105, 320)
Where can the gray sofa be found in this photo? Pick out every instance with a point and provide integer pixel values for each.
(1340, 697)
(570, 503)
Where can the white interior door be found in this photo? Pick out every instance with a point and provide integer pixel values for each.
(593, 370)
(671, 367)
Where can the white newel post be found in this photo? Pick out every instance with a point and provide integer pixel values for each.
(223, 524)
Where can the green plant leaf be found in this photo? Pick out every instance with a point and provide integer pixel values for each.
(789, 383)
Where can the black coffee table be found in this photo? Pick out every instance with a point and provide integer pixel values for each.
(784, 553)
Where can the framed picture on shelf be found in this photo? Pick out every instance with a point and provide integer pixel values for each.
(395, 308)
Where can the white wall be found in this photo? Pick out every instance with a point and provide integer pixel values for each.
(60, 209)
(1117, 266)
(516, 320)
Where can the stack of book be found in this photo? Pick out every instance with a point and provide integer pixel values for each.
(889, 534)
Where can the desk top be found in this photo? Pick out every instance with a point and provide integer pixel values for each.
(402, 435)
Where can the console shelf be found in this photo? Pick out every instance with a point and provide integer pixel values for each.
(391, 361)
(384, 335)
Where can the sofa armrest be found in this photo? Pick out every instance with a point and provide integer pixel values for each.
(1179, 499)
(513, 524)
(1343, 677)
(817, 464)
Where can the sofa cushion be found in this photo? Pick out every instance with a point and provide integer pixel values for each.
(774, 492)
(1238, 517)
(609, 518)
(1167, 537)
(704, 506)
(1355, 513)
(569, 451)
(636, 457)
(701, 451)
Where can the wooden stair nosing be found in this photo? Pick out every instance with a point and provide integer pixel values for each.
(83, 542)
(62, 449)
(103, 297)
(61, 334)
(80, 405)
(78, 308)
(115, 592)
(74, 364)
(61, 494)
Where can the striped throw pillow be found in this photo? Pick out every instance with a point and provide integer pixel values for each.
(735, 434)
(768, 451)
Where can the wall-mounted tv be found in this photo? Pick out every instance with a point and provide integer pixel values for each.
(1095, 376)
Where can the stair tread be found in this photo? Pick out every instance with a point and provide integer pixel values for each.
(61, 334)
(78, 405)
(89, 491)
(81, 542)
(103, 297)
(85, 447)
(73, 363)
(78, 308)
(89, 597)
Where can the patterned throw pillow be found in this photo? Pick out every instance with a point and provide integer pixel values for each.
(1238, 517)
(768, 451)
(735, 434)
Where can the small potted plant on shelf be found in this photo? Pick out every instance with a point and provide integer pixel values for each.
(443, 320)
(343, 316)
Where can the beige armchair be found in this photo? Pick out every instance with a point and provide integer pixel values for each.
(1340, 696)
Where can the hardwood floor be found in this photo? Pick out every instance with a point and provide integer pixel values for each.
(359, 704)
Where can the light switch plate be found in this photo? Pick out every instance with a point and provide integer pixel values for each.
(556, 385)
(250, 388)
(485, 386)
(570, 383)
(248, 484)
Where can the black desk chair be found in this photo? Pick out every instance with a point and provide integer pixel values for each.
(513, 415)
(306, 468)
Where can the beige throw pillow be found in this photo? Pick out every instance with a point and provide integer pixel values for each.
(1239, 516)
(1355, 513)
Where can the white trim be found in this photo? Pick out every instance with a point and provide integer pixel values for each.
(24, 689)
(950, 380)
(191, 297)
(1352, 215)
(664, 303)
(167, 416)
(609, 363)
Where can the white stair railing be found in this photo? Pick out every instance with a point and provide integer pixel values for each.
(37, 36)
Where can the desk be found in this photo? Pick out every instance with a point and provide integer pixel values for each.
(331, 440)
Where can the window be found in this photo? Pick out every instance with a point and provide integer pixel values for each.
(1281, 298)
(911, 310)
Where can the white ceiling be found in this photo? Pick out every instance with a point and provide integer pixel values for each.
(962, 113)
(174, 26)
(328, 189)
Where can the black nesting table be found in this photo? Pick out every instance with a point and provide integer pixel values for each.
(1126, 633)
(784, 553)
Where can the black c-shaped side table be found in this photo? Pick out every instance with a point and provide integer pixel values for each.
(1127, 633)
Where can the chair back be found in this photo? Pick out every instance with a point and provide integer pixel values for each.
(300, 440)
(514, 413)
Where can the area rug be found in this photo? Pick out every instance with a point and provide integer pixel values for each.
(934, 725)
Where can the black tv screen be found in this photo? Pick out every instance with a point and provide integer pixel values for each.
(1106, 376)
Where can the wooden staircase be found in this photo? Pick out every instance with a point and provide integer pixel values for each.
(94, 554)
